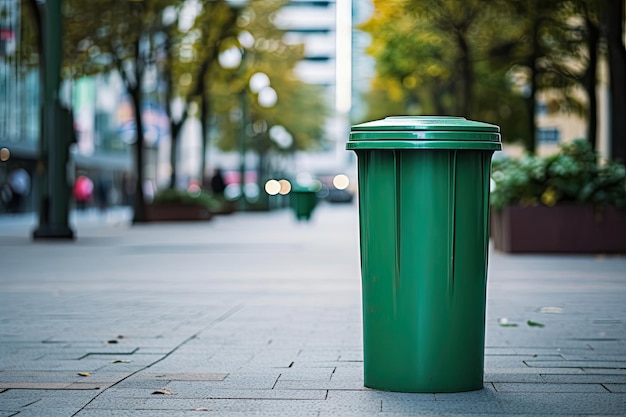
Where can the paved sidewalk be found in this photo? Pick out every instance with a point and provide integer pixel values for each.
(257, 314)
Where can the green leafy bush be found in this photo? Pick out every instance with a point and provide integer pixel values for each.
(174, 196)
(573, 175)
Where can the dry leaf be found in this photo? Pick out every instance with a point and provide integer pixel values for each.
(163, 392)
(84, 374)
(504, 322)
(551, 310)
(120, 361)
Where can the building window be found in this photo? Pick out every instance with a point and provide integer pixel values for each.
(548, 135)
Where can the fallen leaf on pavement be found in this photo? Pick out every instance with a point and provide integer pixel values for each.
(84, 374)
(163, 392)
(504, 322)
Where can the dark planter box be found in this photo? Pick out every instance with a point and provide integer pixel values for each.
(176, 212)
(559, 229)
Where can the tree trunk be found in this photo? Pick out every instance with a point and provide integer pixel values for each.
(467, 77)
(614, 24)
(590, 81)
(205, 115)
(175, 128)
(531, 101)
(139, 202)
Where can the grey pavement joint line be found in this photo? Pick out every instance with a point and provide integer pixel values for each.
(219, 319)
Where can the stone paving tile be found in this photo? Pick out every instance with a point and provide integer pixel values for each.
(448, 406)
(306, 374)
(35, 385)
(46, 405)
(573, 404)
(190, 413)
(419, 410)
(106, 378)
(576, 364)
(535, 370)
(333, 364)
(330, 385)
(595, 356)
(488, 393)
(188, 376)
(512, 377)
(617, 388)
(605, 371)
(202, 391)
(229, 405)
(549, 388)
(584, 379)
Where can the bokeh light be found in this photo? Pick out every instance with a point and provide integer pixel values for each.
(232, 191)
(194, 189)
(341, 181)
(5, 154)
(272, 187)
(285, 187)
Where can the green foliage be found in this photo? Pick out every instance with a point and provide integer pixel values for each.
(300, 108)
(484, 60)
(445, 57)
(573, 175)
(199, 198)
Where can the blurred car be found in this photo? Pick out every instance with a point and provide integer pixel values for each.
(336, 188)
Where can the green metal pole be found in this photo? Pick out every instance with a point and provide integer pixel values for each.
(55, 135)
(242, 149)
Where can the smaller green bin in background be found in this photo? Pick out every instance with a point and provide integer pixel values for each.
(424, 215)
(303, 201)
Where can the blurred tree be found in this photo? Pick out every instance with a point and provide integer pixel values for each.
(613, 22)
(106, 35)
(489, 59)
(300, 108)
(192, 50)
(196, 78)
(444, 57)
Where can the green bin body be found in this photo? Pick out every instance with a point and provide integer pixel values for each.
(303, 202)
(424, 216)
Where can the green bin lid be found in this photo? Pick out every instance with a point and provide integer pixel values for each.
(425, 132)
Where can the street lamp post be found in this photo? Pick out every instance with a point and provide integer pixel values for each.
(56, 133)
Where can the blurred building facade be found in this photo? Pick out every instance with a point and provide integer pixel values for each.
(102, 114)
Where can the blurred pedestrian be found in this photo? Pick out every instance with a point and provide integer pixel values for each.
(103, 189)
(18, 187)
(218, 185)
(83, 191)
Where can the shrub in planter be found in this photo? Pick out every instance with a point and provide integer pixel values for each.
(587, 197)
(173, 204)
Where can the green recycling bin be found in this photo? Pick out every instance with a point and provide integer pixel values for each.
(424, 215)
(303, 202)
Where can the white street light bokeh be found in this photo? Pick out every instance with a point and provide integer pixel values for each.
(272, 187)
(259, 81)
(282, 187)
(230, 58)
(341, 181)
(267, 97)
(281, 136)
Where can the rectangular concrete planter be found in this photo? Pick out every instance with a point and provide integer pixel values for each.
(176, 212)
(559, 229)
